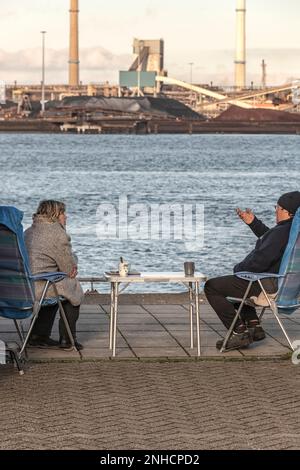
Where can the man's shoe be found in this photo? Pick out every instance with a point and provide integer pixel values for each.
(67, 346)
(43, 342)
(256, 331)
(236, 341)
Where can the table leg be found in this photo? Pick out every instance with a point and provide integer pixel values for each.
(116, 289)
(111, 320)
(197, 317)
(191, 314)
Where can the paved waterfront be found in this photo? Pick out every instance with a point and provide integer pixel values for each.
(142, 405)
(158, 331)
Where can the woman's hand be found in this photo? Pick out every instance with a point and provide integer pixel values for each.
(74, 272)
(247, 216)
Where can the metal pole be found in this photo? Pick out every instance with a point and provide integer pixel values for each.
(141, 47)
(43, 72)
(139, 72)
(197, 318)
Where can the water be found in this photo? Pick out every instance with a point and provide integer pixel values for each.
(219, 171)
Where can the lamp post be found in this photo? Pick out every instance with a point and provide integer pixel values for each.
(43, 71)
(141, 47)
(191, 75)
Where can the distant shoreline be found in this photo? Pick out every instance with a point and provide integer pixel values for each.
(152, 127)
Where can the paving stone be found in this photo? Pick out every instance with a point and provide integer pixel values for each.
(47, 355)
(128, 309)
(165, 352)
(140, 327)
(88, 309)
(185, 327)
(92, 342)
(142, 318)
(166, 310)
(150, 340)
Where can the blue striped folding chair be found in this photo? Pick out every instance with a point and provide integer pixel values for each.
(287, 300)
(17, 299)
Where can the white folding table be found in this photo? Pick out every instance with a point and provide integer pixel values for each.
(119, 284)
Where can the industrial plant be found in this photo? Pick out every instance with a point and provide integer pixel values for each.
(148, 100)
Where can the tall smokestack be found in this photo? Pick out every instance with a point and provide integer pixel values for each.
(240, 60)
(264, 74)
(74, 45)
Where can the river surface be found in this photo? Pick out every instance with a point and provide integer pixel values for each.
(209, 173)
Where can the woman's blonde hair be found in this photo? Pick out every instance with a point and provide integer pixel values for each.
(51, 210)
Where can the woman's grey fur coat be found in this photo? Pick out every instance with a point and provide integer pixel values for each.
(50, 250)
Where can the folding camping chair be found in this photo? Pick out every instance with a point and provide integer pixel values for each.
(17, 299)
(287, 300)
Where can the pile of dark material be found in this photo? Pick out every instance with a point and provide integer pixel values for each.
(174, 108)
(234, 113)
(148, 106)
(8, 104)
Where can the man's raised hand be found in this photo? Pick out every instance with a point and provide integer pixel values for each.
(247, 216)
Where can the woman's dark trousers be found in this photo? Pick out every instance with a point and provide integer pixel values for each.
(44, 323)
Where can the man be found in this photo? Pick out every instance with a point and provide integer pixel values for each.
(266, 257)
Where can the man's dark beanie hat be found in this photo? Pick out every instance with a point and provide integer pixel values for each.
(290, 202)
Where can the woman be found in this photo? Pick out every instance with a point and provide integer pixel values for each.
(50, 250)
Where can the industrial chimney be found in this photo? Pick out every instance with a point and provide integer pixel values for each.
(240, 60)
(74, 45)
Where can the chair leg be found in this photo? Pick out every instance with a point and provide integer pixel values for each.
(274, 309)
(276, 314)
(36, 311)
(16, 360)
(238, 315)
(34, 319)
(21, 335)
(19, 331)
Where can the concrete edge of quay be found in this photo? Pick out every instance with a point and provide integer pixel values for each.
(161, 126)
(163, 360)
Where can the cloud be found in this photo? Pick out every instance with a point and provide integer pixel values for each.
(94, 58)
(218, 66)
(100, 64)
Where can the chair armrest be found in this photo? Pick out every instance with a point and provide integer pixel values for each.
(52, 277)
(257, 276)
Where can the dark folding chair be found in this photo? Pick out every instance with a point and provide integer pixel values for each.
(17, 299)
(287, 300)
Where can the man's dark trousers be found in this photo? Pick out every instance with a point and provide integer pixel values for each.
(216, 291)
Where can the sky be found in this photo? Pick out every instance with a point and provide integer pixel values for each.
(198, 31)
